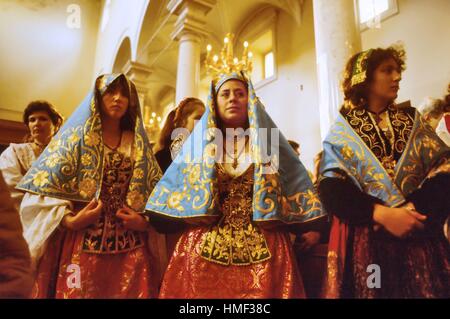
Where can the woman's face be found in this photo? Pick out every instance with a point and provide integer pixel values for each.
(194, 116)
(41, 127)
(115, 102)
(385, 82)
(232, 101)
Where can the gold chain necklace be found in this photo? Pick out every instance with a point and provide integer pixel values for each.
(236, 156)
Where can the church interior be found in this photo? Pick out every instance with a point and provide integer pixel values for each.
(54, 50)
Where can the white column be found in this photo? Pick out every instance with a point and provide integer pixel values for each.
(337, 38)
(189, 30)
(188, 72)
(139, 74)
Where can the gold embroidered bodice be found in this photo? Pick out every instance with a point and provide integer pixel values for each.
(386, 133)
(235, 240)
(108, 235)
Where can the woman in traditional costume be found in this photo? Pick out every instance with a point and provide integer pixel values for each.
(236, 201)
(182, 119)
(42, 121)
(178, 126)
(82, 213)
(385, 177)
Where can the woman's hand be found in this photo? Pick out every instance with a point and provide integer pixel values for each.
(85, 217)
(132, 219)
(308, 240)
(400, 222)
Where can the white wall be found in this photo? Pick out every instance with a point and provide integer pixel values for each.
(424, 28)
(42, 58)
(293, 109)
(125, 20)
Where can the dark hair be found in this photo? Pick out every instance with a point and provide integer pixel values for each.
(176, 119)
(44, 106)
(128, 121)
(294, 144)
(432, 108)
(356, 95)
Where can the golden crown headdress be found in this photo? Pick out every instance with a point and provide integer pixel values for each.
(359, 72)
(227, 63)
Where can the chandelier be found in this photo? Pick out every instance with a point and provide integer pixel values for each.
(152, 123)
(154, 120)
(227, 62)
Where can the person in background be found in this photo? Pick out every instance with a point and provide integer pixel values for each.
(185, 115)
(181, 119)
(432, 111)
(43, 122)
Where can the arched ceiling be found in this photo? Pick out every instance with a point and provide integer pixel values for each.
(158, 50)
(123, 55)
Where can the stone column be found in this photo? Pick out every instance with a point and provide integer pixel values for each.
(337, 38)
(139, 74)
(189, 30)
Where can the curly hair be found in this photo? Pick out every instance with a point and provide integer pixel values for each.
(356, 95)
(44, 106)
(432, 108)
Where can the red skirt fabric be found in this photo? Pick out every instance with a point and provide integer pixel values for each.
(416, 267)
(122, 275)
(191, 276)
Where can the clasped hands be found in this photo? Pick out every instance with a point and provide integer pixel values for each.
(401, 222)
(91, 212)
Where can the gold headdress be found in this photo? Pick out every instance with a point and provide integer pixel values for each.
(359, 73)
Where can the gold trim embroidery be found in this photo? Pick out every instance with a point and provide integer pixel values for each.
(235, 240)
